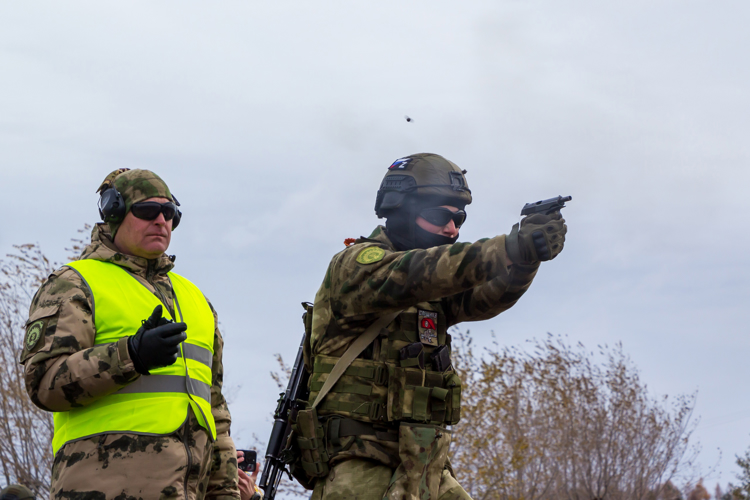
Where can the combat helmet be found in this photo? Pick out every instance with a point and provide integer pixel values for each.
(426, 177)
(411, 184)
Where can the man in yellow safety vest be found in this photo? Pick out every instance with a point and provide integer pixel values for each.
(128, 356)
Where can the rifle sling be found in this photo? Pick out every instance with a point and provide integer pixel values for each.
(351, 354)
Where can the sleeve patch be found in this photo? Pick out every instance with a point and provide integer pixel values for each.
(370, 255)
(36, 327)
(34, 333)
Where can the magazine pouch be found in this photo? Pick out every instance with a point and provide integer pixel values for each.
(311, 443)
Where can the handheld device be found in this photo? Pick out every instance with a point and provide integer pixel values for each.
(251, 458)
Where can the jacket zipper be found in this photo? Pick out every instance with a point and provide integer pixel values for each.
(189, 458)
(149, 274)
(150, 271)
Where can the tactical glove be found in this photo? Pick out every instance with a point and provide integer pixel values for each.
(541, 237)
(156, 343)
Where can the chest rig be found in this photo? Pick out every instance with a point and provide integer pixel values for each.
(405, 374)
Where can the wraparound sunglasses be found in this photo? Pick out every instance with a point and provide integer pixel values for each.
(440, 216)
(150, 210)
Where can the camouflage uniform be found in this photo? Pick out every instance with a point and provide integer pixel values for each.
(64, 370)
(465, 281)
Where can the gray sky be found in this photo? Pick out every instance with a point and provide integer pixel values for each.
(274, 122)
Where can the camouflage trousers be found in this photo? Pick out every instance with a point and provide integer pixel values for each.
(135, 467)
(362, 479)
(422, 474)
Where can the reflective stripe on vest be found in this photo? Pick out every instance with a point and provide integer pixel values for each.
(156, 403)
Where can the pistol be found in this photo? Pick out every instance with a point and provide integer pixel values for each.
(545, 206)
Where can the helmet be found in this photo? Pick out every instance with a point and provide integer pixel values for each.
(412, 184)
(426, 177)
(16, 492)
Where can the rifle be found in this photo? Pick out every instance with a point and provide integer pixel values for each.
(289, 401)
(545, 206)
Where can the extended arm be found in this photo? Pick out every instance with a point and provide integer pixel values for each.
(539, 237)
(403, 279)
(490, 299)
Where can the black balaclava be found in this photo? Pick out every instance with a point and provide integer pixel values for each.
(403, 231)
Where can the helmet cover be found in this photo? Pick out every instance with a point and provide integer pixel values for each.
(426, 178)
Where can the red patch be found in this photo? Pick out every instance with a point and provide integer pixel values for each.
(428, 324)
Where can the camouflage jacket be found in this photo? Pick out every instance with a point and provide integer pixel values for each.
(470, 280)
(64, 369)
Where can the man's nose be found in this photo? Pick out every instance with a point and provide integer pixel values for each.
(162, 221)
(450, 229)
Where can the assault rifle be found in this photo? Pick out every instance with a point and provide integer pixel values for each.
(545, 206)
(289, 401)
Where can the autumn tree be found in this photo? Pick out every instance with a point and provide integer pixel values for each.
(742, 490)
(699, 492)
(25, 430)
(556, 421)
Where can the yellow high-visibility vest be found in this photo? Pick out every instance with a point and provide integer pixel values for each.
(156, 403)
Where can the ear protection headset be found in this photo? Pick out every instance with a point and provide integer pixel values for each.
(112, 207)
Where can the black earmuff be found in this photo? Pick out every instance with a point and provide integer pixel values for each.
(177, 214)
(111, 206)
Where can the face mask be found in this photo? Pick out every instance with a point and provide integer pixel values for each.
(402, 229)
(426, 239)
(398, 231)
(407, 236)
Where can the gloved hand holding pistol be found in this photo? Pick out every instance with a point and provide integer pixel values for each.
(156, 343)
(541, 235)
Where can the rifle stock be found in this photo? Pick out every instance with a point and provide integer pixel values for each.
(296, 390)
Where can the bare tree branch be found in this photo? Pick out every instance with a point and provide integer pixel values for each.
(552, 422)
(25, 430)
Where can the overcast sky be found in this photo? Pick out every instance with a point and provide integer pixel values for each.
(274, 122)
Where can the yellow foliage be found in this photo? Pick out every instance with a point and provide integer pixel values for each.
(552, 422)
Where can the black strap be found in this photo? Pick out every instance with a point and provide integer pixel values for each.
(350, 427)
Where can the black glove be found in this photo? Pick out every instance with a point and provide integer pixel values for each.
(156, 343)
(541, 237)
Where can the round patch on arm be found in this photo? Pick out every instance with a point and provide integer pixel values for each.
(370, 255)
(34, 334)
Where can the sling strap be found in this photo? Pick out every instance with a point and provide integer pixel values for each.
(351, 354)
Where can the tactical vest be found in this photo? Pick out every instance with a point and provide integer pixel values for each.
(153, 404)
(389, 387)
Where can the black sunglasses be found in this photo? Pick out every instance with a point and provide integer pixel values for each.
(150, 210)
(440, 216)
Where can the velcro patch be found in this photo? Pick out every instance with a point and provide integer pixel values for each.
(428, 327)
(399, 164)
(370, 255)
(34, 334)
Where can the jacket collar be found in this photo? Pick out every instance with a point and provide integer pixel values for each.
(377, 236)
(103, 248)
